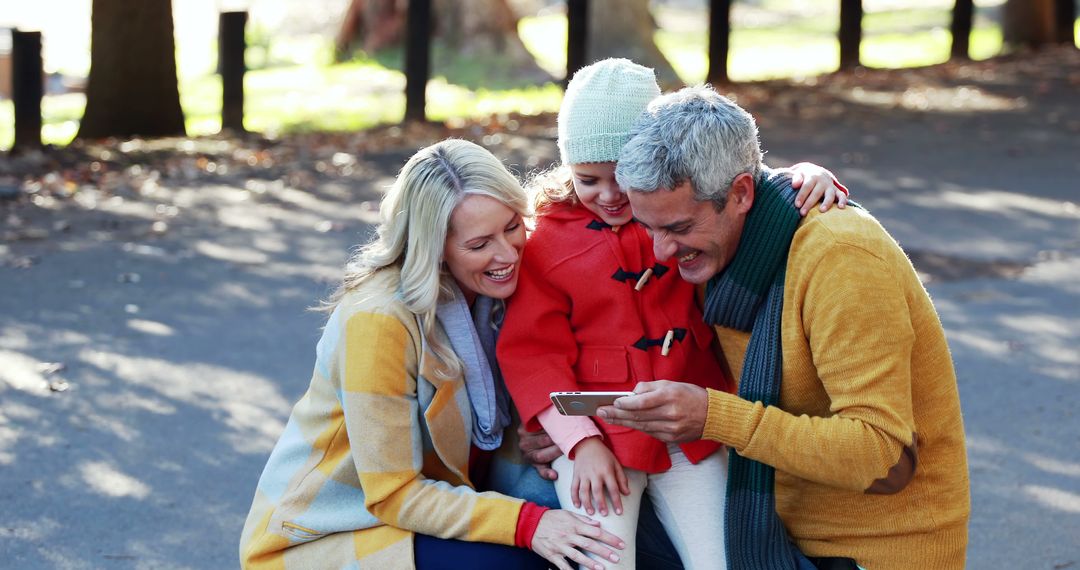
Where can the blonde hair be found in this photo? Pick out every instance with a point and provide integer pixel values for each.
(552, 186)
(414, 220)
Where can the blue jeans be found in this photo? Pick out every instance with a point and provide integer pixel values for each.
(442, 554)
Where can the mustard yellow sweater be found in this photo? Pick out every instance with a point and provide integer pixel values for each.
(868, 439)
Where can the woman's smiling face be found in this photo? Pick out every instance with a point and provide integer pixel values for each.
(483, 247)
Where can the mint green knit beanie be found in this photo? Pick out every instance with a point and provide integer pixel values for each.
(601, 103)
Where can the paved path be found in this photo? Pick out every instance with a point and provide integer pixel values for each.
(184, 351)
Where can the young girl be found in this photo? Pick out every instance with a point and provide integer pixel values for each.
(595, 311)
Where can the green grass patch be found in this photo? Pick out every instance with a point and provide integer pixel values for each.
(60, 115)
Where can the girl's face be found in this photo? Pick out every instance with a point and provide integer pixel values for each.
(483, 247)
(596, 189)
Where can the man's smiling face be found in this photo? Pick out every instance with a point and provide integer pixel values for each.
(702, 239)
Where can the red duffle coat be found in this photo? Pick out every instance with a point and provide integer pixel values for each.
(576, 322)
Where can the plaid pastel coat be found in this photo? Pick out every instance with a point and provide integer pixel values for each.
(376, 450)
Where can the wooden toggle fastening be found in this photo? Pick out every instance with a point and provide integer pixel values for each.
(666, 347)
(672, 336)
(644, 277)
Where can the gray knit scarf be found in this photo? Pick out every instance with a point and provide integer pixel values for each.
(472, 336)
(748, 295)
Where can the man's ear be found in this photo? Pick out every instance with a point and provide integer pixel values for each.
(741, 195)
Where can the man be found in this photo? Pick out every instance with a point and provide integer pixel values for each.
(847, 394)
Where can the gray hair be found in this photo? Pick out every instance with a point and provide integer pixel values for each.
(695, 135)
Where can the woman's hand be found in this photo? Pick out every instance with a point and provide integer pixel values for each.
(597, 474)
(816, 184)
(562, 534)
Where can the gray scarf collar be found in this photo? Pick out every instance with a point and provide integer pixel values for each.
(472, 336)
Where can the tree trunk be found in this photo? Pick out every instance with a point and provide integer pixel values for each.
(719, 41)
(27, 82)
(850, 33)
(1028, 23)
(132, 88)
(624, 28)
(371, 24)
(577, 36)
(962, 16)
(417, 59)
(1065, 17)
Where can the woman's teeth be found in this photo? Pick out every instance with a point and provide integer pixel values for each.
(500, 274)
(688, 257)
(613, 209)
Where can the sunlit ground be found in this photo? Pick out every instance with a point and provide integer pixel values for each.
(285, 95)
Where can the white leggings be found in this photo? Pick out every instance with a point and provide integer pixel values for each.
(689, 501)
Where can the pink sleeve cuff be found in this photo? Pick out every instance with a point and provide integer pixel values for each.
(566, 431)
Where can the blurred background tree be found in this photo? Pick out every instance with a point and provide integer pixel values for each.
(132, 87)
(626, 28)
(483, 31)
(1030, 23)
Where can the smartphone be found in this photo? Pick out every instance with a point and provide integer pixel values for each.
(584, 403)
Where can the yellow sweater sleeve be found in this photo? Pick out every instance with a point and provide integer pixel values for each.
(855, 327)
(383, 419)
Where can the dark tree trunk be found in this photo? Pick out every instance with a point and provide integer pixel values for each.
(1065, 17)
(851, 13)
(232, 66)
(719, 40)
(27, 81)
(417, 59)
(963, 14)
(132, 88)
(577, 37)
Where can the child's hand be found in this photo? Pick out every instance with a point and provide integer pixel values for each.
(596, 471)
(815, 184)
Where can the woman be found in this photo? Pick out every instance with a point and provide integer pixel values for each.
(380, 461)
